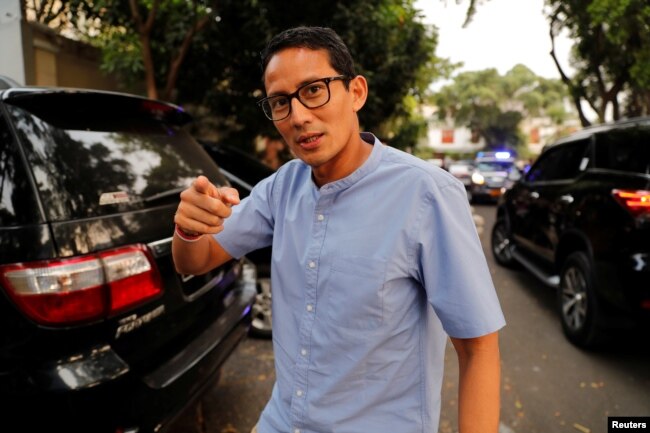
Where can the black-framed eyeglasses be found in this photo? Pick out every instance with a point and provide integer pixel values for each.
(312, 95)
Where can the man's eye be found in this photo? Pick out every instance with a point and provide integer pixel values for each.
(314, 89)
(278, 103)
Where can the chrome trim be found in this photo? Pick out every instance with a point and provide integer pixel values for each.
(161, 247)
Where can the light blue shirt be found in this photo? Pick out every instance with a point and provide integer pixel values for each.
(370, 274)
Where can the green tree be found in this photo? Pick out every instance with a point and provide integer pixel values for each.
(390, 45)
(144, 40)
(494, 105)
(206, 53)
(611, 54)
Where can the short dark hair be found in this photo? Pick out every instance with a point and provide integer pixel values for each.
(313, 38)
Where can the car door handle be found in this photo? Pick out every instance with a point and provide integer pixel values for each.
(566, 198)
(534, 195)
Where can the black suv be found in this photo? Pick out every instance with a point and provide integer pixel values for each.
(580, 220)
(97, 330)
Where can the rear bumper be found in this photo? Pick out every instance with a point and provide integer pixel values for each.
(99, 392)
(486, 192)
(624, 289)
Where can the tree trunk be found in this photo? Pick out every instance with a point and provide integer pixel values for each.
(149, 72)
(144, 29)
(177, 61)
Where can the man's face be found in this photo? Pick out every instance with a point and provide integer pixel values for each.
(318, 136)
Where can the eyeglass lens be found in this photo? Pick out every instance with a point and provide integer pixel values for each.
(312, 95)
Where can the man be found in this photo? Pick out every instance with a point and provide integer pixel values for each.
(375, 261)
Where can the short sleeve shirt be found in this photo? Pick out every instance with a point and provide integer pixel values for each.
(370, 274)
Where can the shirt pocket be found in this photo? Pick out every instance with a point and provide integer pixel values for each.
(355, 291)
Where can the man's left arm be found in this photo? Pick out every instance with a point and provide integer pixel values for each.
(479, 387)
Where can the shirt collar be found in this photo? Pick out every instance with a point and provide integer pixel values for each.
(368, 166)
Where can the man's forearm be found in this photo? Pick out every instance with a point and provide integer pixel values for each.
(479, 388)
(190, 258)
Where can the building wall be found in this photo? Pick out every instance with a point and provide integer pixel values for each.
(449, 139)
(12, 63)
(59, 61)
(33, 54)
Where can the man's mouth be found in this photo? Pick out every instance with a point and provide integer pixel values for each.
(310, 141)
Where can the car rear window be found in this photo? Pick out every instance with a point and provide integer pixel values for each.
(94, 155)
(624, 150)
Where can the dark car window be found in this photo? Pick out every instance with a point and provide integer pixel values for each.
(17, 202)
(107, 158)
(560, 163)
(495, 166)
(624, 150)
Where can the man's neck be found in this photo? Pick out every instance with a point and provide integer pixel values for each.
(348, 161)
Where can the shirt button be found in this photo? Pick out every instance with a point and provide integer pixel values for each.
(310, 307)
(303, 352)
(299, 393)
(321, 217)
(312, 264)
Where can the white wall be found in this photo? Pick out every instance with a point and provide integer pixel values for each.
(462, 140)
(12, 64)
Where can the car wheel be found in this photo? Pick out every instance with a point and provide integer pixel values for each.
(501, 244)
(262, 319)
(577, 301)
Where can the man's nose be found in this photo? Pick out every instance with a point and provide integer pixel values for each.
(299, 113)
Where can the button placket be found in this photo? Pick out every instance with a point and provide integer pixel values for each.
(317, 237)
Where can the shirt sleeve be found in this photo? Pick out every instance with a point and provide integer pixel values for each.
(250, 226)
(452, 267)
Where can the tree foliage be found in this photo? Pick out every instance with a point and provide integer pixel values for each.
(206, 53)
(611, 54)
(494, 105)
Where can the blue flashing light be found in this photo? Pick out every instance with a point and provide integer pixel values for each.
(502, 155)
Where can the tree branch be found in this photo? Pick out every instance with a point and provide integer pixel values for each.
(573, 90)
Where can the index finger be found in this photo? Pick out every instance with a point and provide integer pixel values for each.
(204, 186)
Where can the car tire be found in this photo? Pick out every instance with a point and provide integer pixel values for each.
(262, 323)
(501, 244)
(577, 301)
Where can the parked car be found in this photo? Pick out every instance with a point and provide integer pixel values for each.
(244, 171)
(462, 169)
(98, 333)
(491, 175)
(580, 221)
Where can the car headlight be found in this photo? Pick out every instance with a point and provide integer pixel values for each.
(478, 178)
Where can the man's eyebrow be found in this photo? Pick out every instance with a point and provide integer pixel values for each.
(302, 83)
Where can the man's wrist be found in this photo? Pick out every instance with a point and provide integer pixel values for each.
(186, 236)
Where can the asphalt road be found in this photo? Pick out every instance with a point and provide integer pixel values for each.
(548, 385)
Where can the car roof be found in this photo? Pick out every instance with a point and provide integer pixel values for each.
(600, 128)
(22, 95)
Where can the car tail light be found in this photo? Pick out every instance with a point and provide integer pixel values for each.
(637, 202)
(81, 289)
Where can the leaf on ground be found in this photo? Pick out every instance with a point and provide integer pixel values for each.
(518, 404)
(581, 428)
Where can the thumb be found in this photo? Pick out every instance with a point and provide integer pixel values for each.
(229, 195)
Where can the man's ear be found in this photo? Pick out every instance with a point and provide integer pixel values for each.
(359, 91)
